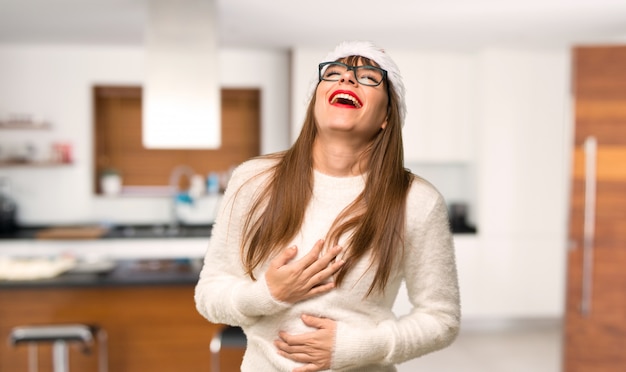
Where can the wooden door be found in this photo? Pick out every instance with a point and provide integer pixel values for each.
(595, 319)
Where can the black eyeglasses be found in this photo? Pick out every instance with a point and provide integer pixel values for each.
(367, 75)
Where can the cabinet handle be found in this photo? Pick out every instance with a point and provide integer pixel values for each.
(591, 149)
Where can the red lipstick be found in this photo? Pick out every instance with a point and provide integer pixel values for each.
(345, 98)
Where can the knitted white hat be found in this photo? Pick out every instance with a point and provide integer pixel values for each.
(369, 50)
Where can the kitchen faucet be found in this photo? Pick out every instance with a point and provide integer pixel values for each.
(175, 174)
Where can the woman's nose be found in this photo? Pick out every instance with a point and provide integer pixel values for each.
(348, 77)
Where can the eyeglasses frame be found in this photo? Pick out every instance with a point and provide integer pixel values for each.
(353, 69)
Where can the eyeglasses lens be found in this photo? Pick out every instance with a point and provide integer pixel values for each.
(366, 75)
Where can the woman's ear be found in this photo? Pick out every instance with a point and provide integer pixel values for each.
(384, 125)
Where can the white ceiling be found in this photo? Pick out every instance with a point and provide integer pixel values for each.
(441, 24)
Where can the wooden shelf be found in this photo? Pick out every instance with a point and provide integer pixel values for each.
(37, 164)
(24, 125)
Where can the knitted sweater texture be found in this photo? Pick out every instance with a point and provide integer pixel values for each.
(370, 337)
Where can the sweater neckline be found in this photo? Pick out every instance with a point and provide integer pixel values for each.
(325, 180)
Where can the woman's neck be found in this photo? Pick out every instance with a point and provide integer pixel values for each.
(338, 159)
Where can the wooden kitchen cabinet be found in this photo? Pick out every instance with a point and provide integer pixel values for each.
(150, 327)
(118, 139)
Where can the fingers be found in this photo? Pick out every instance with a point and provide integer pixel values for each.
(320, 263)
(285, 256)
(301, 340)
(324, 268)
(293, 281)
(313, 255)
(299, 352)
(313, 349)
(316, 322)
(307, 368)
(320, 288)
(317, 268)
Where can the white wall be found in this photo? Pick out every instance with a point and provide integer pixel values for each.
(55, 83)
(304, 75)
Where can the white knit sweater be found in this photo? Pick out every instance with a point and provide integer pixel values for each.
(369, 336)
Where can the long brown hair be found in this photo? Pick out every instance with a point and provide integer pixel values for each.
(374, 220)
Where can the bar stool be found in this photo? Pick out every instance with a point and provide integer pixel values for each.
(227, 337)
(60, 335)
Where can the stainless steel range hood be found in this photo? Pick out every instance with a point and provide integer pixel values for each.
(181, 95)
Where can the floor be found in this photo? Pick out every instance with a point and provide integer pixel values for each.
(488, 347)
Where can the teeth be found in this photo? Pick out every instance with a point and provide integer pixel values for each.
(346, 97)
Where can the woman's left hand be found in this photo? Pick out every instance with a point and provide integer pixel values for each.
(314, 349)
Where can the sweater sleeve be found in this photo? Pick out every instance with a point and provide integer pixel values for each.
(224, 293)
(432, 285)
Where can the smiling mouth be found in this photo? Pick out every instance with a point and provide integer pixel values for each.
(346, 100)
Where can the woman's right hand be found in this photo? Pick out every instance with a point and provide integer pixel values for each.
(307, 277)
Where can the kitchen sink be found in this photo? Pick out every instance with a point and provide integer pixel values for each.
(159, 231)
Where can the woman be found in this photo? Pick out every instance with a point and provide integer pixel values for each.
(311, 245)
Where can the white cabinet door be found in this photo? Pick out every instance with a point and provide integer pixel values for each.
(512, 279)
(505, 279)
(439, 106)
(522, 181)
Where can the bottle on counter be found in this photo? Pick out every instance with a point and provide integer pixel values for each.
(213, 183)
(196, 186)
(8, 208)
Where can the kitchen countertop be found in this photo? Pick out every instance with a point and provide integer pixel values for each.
(117, 232)
(123, 273)
(131, 254)
(117, 243)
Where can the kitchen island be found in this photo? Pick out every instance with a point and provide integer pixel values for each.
(144, 302)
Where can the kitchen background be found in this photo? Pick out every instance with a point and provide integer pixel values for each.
(489, 128)
(489, 125)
